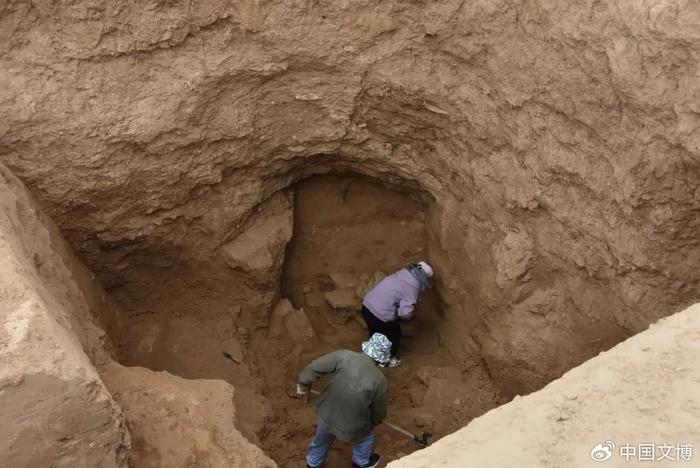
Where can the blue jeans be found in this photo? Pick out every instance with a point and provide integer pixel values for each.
(321, 444)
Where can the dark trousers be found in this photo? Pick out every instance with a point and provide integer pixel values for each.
(391, 330)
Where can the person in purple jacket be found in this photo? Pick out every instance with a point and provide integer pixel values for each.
(394, 298)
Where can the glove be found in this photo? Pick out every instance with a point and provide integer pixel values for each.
(303, 389)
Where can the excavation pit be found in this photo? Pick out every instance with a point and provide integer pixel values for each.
(283, 285)
(348, 232)
(544, 157)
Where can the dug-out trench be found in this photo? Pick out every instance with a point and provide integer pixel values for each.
(285, 286)
(307, 255)
(543, 155)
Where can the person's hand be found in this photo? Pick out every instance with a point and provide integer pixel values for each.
(303, 389)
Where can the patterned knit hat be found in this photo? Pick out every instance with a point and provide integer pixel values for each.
(422, 272)
(378, 348)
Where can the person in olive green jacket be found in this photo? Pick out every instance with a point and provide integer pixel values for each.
(352, 403)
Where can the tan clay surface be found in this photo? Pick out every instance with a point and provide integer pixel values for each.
(643, 391)
(54, 409)
(176, 422)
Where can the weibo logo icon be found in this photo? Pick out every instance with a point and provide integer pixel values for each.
(603, 451)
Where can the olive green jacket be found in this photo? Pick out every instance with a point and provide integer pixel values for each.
(354, 401)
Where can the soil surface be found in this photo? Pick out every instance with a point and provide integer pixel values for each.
(642, 392)
(177, 423)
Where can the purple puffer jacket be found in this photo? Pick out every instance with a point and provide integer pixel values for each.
(393, 297)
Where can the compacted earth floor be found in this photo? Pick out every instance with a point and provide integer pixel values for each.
(348, 233)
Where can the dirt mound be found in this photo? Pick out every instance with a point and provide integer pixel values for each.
(176, 422)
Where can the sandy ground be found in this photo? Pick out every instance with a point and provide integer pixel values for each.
(643, 391)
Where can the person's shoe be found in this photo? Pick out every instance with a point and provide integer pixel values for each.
(374, 460)
(394, 362)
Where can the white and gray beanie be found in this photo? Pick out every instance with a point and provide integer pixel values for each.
(378, 348)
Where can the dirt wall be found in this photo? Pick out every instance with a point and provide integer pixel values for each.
(558, 144)
(176, 422)
(55, 358)
(54, 408)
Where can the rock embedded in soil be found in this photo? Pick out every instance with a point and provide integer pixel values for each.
(416, 393)
(277, 318)
(259, 250)
(298, 326)
(315, 299)
(176, 421)
(343, 299)
(344, 280)
(423, 419)
(285, 320)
